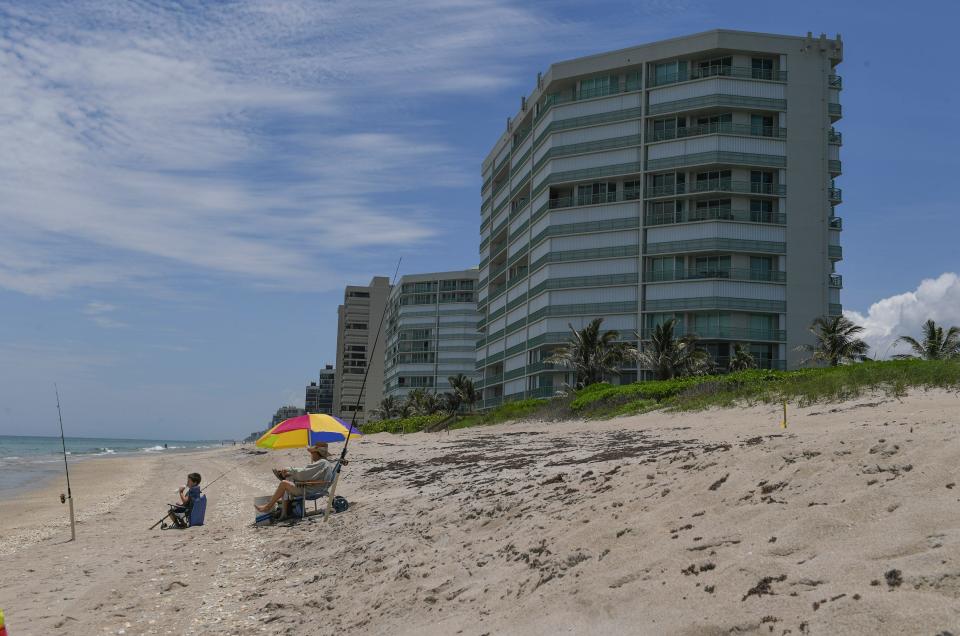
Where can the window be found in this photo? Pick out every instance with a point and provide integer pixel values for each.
(712, 209)
(716, 66)
(666, 268)
(761, 210)
(712, 266)
(669, 72)
(632, 190)
(356, 347)
(655, 320)
(714, 324)
(671, 183)
(358, 294)
(761, 68)
(668, 128)
(665, 212)
(599, 86)
(591, 193)
(763, 323)
(722, 122)
(760, 267)
(355, 325)
(761, 125)
(761, 182)
(713, 180)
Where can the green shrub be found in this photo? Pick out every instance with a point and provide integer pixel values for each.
(403, 425)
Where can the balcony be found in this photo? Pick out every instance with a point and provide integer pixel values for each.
(722, 129)
(835, 167)
(718, 332)
(632, 83)
(539, 366)
(714, 214)
(718, 185)
(835, 111)
(716, 245)
(835, 309)
(836, 222)
(762, 363)
(835, 252)
(835, 81)
(744, 72)
(835, 195)
(834, 137)
(651, 276)
(836, 281)
(571, 201)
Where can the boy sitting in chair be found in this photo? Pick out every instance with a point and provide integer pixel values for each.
(316, 477)
(180, 514)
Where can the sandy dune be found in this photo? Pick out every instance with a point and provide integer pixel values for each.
(709, 523)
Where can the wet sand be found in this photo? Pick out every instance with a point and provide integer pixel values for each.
(704, 523)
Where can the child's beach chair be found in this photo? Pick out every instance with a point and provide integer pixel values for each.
(192, 517)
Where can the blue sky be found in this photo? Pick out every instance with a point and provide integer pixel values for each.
(184, 191)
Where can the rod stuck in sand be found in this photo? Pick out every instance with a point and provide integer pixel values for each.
(66, 468)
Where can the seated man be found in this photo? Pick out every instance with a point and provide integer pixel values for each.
(320, 468)
(188, 494)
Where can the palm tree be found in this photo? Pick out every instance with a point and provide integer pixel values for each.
(464, 391)
(741, 359)
(668, 356)
(836, 341)
(935, 345)
(388, 409)
(591, 355)
(422, 402)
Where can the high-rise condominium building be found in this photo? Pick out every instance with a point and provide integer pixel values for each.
(326, 386)
(431, 331)
(690, 179)
(319, 395)
(357, 347)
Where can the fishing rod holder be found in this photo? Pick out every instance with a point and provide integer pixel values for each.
(63, 498)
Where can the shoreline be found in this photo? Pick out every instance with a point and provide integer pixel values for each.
(39, 470)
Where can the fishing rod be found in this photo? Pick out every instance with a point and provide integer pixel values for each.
(353, 420)
(66, 468)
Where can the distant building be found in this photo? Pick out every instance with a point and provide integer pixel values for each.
(311, 401)
(357, 347)
(431, 331)
(319, 397)
(285, 413)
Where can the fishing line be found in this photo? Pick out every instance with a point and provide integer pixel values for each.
(353, 420)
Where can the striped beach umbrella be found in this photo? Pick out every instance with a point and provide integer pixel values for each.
(307, 430)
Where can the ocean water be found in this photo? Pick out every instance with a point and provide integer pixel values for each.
(26, 458)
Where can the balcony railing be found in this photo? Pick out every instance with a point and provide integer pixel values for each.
(719, 128)
(834, 166)
(835, 194)
(762, 363)
(718, 332)
(836, 223)
(571, 201)
(834, 137)
(835, 110)
(658, 276)
(714, 214)
(716, 245)
(719, 71)
(835, 309)
(718, 185)
(835, 252)
(836, 280)
(835, 81)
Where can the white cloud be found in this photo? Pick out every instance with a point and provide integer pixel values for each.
(99, 313)
(936, 299)
(242, 139)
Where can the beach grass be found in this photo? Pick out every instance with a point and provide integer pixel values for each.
(756, 386)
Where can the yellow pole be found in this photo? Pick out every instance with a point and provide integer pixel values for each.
(783, 424)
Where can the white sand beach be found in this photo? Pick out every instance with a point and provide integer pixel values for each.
(700, 523)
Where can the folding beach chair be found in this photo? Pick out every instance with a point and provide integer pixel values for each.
(190, 517)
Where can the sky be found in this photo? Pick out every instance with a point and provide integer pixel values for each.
(185, 188)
